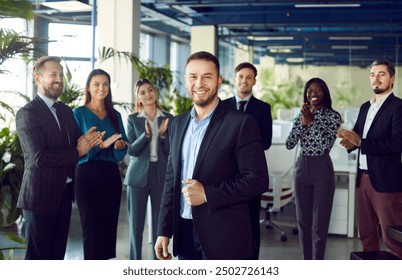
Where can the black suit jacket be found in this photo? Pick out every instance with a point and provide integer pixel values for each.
(383, 144)
(48, 158)
(261, 111)
(231, 166)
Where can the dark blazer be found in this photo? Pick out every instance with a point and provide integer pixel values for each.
(261, 111)
(231, 166)
(48, 157)
(139, 151)
(383, 144)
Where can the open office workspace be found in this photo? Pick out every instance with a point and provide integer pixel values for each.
(289, 42)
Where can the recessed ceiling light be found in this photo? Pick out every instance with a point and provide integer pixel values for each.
(295, 59)
(280, 50)
(68, 6)
(345, 5)
(349, 47)
(285, 47)
(350, 38)
(320, 54)
(257, 38)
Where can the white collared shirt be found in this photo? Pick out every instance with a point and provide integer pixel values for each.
(372, 112)
(238, 99)
(153, 157)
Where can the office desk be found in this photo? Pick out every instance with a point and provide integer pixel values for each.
(349, 171)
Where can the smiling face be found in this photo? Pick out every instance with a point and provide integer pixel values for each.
(202, 82)
(315, 95)
(99, 87)
(380, 79)
(146, 95)
(245, 80)
(50, 80)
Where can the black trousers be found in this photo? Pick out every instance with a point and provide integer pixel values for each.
(189, 246)
(98, 190)
(47, 233)
(255, 208)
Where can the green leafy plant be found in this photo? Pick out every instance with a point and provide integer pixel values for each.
(280, 96)
(344, 95)
(20, 9)
(11, 170)
(160, 77)
(14, 243)
(289, 95)
(12, 45)
(72, 93)
(176, 103)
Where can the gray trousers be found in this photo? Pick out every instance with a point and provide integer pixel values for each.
(137, 199)
(314, 189)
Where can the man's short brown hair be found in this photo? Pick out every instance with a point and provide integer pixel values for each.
(41, 62)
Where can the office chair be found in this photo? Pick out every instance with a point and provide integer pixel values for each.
(281, 190)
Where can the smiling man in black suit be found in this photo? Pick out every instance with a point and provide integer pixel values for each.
(245, 101)
(51, 147)
(216, 165)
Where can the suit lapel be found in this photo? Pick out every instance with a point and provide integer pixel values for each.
(209, 136)
(250, 104)
(160, 119)
(180, 132)
(381, 111)
(232, 102)
(47, 113)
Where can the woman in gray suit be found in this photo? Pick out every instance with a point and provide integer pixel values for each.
(149, 148)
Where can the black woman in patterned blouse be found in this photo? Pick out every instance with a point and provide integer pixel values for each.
(316, 128)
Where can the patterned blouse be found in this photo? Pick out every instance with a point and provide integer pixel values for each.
(318, 137)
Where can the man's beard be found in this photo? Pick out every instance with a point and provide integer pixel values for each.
(245, 91)
(378, 90)
(206, 102)
(53, 93)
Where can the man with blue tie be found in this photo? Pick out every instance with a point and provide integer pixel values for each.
(51, 147)
(245, 101)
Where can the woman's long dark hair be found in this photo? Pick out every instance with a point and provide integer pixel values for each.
(327, 103)
(111, 112)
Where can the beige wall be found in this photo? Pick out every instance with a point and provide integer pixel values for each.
(203, 38)
(119, 28)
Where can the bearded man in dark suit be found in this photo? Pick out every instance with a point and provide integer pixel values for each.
(51, 147)
(216, 165)
(377, 135)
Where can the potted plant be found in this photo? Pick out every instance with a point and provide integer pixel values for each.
(11, 170)
(12, 45)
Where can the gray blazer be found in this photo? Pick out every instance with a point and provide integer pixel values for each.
(139, 151)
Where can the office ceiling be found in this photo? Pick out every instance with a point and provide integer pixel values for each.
(293, 32)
